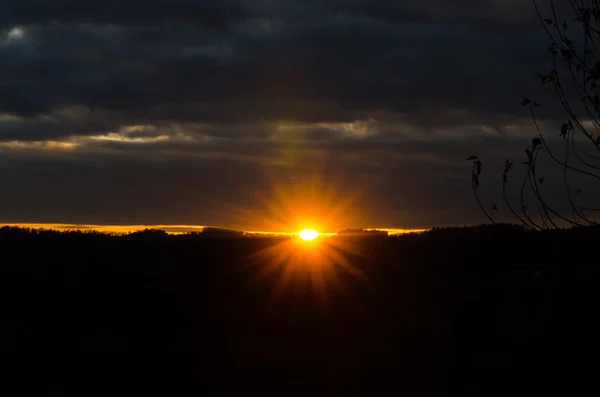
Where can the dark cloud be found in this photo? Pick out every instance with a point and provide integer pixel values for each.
(354, 65)
(209, 182)
(485, 13)
(221, 13)
(145, 188)
(392, 181)
(210, 13)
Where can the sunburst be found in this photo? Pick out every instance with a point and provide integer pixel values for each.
(307, 196)
(320, 261)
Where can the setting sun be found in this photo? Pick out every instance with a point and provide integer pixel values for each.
(308, 234)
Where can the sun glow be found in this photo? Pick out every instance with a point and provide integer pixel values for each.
(308, 234)
(328, 270)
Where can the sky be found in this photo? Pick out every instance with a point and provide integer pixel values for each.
(261, 114)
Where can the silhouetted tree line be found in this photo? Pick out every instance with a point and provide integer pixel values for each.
(362, 232)
(219, 232)
(494, 310)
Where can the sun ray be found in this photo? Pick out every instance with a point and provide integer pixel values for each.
(281, 284)
(340, 260)
(319, 286)
(273, 265)
(293, 266)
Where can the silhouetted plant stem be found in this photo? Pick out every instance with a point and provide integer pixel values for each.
(511, 209)
(575, 84)
(475, 185)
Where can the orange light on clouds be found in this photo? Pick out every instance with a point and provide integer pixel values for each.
(288, 202)
(297, 185)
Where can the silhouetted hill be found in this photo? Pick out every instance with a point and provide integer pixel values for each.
(214, 232)
(482, 311)
(362, 233)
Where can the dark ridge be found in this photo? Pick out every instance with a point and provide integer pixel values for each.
(477, 311)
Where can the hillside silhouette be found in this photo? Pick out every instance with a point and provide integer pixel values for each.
(487, 311)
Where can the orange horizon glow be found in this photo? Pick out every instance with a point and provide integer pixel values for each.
(173, 229)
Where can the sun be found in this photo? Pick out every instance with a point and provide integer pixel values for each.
(308, 234)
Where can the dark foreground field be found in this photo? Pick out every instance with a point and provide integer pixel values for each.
(488, 311)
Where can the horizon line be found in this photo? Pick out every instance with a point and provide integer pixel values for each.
(171, 229)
